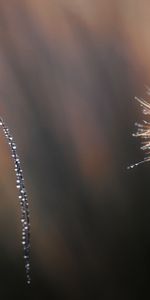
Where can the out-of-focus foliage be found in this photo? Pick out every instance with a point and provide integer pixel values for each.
(68, 73)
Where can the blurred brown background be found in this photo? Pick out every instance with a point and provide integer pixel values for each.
(69, 71)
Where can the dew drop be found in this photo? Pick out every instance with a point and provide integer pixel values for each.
(22, 191)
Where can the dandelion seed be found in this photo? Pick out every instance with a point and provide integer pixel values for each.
(23, 200)
(143, 131)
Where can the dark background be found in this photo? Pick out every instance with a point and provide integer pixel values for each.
(69, 71)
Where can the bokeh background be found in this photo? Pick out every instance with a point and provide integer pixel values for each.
(69, 71)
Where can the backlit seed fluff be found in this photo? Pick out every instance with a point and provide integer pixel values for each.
(143, 132)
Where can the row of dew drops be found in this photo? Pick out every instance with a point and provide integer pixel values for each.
(23, 199)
